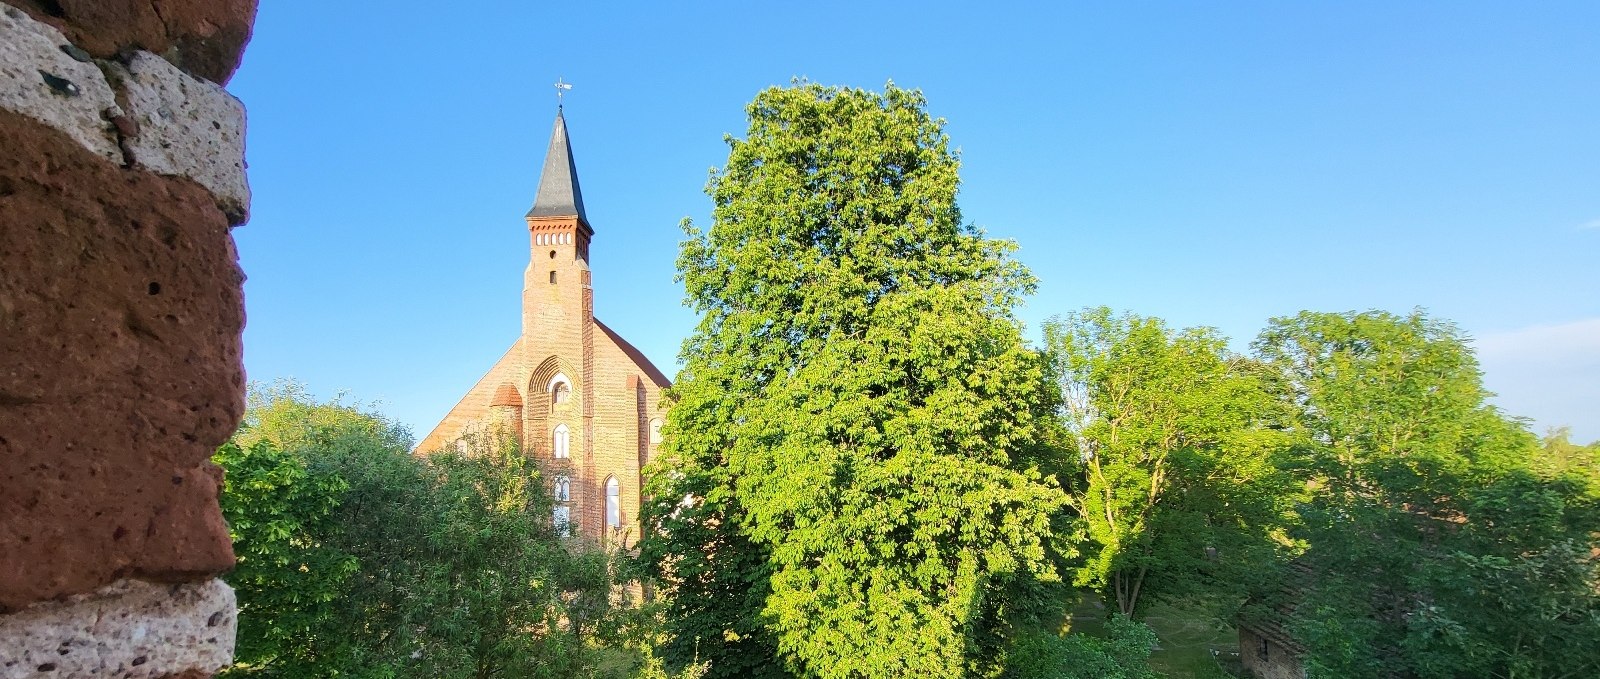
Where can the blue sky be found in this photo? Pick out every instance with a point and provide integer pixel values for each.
(1209, 163)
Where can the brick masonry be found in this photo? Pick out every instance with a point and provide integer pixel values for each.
(615, 392)
(120, 319)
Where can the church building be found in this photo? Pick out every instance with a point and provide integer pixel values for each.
(585, 403)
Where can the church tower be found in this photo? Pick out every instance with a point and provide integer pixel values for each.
(585, 403)
(557, 329)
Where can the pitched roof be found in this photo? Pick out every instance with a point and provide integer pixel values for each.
(638, 357)
(559, 195)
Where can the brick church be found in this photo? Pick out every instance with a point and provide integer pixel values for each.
(584, 402)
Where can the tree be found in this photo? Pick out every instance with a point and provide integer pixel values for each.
(1565, 457)
(510, 595)
(360, 559)
(1443, 540)
(288, 583)
(856, 404)
(1515, 590)
(1175, 437)
(301, 477)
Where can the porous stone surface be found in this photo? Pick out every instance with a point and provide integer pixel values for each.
(129, 629)
(120, 319)
(203, 37)
(187, 127)
(41, 80)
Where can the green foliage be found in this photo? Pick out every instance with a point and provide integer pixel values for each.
(638, 633)
(1122, 652)
(1391, 409)
(713, 578)
(302, 466)
(1562, 456)
(359, 559)
(1175, 447)
(508, 575)
(1444, 541)
(1513, 591)
(288, 583)
(856, 405)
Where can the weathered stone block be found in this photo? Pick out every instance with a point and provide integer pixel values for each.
(203, 37)
(188, 127)
(39, 79)
(130, 630)
(120, 319)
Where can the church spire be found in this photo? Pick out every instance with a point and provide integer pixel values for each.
(559, 195)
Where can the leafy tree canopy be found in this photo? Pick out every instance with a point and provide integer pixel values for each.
(856, 401)
(1176, 442)
(1444, 541)
(357, 558)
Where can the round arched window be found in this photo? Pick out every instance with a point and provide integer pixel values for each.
(560, 389)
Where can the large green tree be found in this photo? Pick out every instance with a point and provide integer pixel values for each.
(856, 404)
(1176, 440)
(1444, 541)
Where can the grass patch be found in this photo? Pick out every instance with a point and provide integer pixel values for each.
(1194, 645)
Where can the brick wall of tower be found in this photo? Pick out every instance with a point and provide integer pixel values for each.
(121, 176)
(554, 318)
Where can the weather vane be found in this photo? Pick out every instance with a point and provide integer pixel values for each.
(561, 88)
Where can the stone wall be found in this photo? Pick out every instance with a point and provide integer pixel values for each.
(121, 175)
(1267, 656)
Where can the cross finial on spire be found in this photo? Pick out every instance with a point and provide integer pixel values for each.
(561, 88)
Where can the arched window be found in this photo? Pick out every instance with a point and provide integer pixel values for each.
(563, 488)
(655, 430)
(560, 441)
(563, 507)
(563, 519)
(560, 389)
(613, 504)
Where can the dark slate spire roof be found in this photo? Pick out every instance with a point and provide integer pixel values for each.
(558, 183)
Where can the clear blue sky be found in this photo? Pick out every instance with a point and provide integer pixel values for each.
(1210, 163)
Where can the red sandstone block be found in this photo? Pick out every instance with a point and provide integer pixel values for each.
(120, 319)
(205, 38)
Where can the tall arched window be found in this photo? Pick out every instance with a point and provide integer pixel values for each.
(563, 519)
(560, 440)
(613, 504)
(564, 510)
